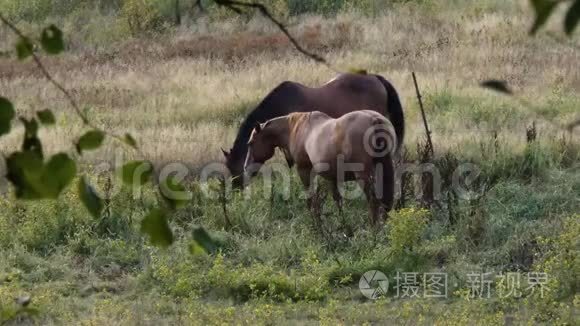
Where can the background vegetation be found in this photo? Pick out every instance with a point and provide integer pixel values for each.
(182, 90)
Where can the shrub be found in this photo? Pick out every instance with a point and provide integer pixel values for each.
(31, 10)
(406, 228)
(264, 281)
(560, 260)
(141, 15)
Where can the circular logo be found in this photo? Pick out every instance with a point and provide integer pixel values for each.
(378, 141)
(373, 284)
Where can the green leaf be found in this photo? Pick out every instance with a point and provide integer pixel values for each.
(572, 17)
(31, 141)
(497, 85)
(129, 140)
(174, 192)
(90, 198)
(24, 48)
(51, 40)
(46, 117)
(202, 238)
(24, 170)
(138, 172)
(156, 226)
(543, 10)
(90, 140)
(30, 127)
(34, 180)
(6, 115)
(33, 145)
(58, 173)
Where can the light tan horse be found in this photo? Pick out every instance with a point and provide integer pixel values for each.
(357, 146)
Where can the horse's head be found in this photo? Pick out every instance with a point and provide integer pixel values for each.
(235, 164)
(261, 147)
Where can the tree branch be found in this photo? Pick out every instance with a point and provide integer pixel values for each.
(235, 5)
(47, 74)
(60, 87)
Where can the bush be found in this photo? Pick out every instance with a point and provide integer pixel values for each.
(264, 281)
(560, 260)
(31, 10)
(406, 228)
(141, 16)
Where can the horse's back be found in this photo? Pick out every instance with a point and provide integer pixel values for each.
(341, 95)
(347, 93)
(285, 98)
(360, 124)
(352, 133)
(356, 123)
(355, 83)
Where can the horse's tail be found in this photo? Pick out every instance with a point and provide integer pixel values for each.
(384, 143)
(385, 181)
(394, 109)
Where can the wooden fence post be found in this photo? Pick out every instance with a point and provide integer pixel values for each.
(420, 99)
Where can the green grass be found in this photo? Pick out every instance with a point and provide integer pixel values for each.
(274, 266)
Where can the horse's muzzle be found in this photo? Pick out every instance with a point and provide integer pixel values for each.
(251, 170)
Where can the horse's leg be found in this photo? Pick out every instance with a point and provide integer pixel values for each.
(385, 184)
(373, 203)
(367, 185)
(312, 195)
(318, 202)
(304, 175)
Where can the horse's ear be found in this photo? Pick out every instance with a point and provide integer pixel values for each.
(226, 153)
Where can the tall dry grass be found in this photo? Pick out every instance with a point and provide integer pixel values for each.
(183, 94)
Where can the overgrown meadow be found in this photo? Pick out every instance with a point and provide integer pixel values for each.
(182, 91)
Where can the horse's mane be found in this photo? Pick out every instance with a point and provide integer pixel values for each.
(244, 134)
(295, 120)
(275, 104)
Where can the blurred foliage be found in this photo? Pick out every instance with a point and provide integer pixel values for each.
(141, 15)
(406, 228)
(35, 177)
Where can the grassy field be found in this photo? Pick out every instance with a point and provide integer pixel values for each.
(183, 92)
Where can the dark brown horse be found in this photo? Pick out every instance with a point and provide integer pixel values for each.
(343, 94)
